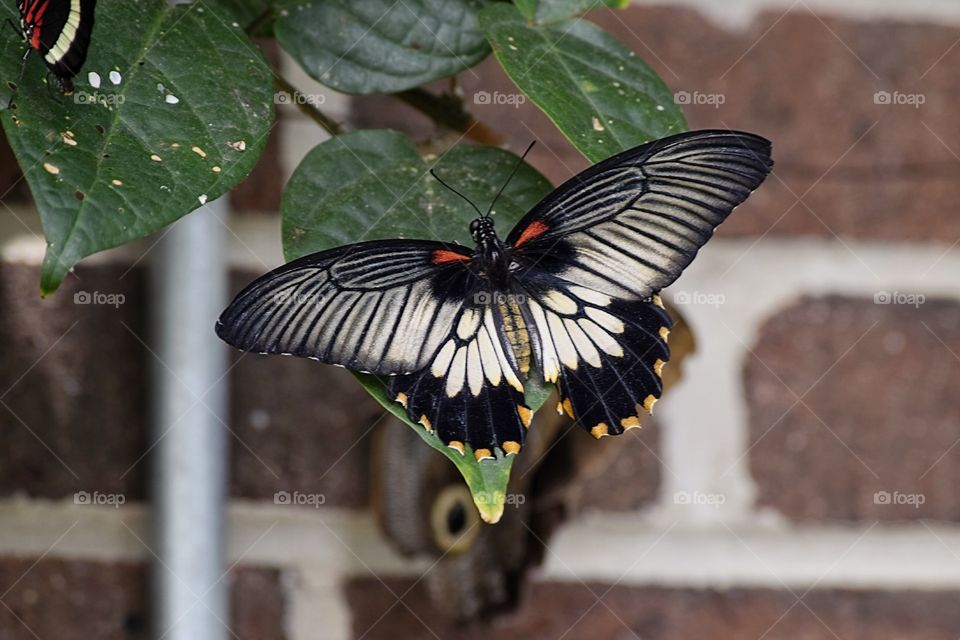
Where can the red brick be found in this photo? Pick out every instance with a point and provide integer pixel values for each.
(76, 375)
(587, 612)
(878, 414)
(77, 599)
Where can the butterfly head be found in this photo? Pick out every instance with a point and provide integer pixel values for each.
(482, 230)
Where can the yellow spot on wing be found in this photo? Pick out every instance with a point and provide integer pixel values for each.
(600, 430)
(425, 421)
(402, 399)
(648, 403)
(658, 367)
(481, 454)
(664, 333)
(567, 407)
(511, 448)
(657, 300)
(632, 422)
(525, 415)
(456, 445)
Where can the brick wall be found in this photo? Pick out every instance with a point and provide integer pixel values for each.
(799, 481)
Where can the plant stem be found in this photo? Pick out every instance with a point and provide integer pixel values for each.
(259, 22)
(312, 112)
(447, 110)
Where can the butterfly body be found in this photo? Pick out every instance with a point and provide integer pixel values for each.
(570, 296)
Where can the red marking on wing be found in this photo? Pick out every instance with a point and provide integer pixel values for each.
(35, 40)
(35, 15)
(441, 256)
(534, 229)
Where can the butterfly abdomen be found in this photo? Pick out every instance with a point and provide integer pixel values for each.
(515, 330)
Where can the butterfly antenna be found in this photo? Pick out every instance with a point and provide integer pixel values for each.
(469, 201)
(516, 168)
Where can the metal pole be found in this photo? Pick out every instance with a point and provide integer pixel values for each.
(189, 472)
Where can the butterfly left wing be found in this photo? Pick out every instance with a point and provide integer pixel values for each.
(411, 310)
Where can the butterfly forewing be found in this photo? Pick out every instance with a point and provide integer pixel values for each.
(381, 307)
(631, 224)
(60, 31)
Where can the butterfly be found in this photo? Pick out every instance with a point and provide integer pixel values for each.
(60, 31)
(570, 296)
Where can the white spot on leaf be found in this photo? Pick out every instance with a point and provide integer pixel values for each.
(94, 79)
(115, 77)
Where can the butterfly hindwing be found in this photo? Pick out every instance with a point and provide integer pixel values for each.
(471, 392)
(605, 355)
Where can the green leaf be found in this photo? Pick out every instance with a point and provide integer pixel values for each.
(382, 46)
(598, 93)
(182, 112)
(486, 480)
(555, 10)
(371, 185)
(245, 13)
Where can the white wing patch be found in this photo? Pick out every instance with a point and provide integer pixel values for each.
(572, 328)
(473, 355)
(69, 33)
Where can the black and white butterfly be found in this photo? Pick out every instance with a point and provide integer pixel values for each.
(570, 296)
(59, 30)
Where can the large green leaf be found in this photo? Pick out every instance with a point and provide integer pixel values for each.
(371, 185)
(181, 113)
(381, 46)
(544, 11)
(598, 93)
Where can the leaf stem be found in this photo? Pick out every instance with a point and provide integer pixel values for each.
(265, 18)
(326, 122)
(447, 110)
